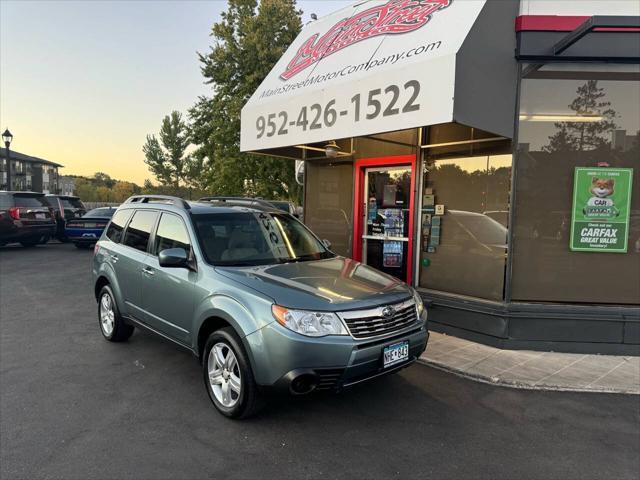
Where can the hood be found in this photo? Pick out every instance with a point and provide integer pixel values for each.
(332, 284)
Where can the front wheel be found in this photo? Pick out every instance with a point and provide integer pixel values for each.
(112, 325)
(228, 377)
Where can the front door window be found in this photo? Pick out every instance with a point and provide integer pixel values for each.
(385, 235)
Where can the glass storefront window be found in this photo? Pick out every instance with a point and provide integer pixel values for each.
(574, 116)
(329, 203)
(463, 249)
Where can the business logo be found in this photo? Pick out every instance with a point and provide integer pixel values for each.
(395, 16)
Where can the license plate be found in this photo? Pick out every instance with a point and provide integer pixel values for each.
(396, 353)
(40, 215)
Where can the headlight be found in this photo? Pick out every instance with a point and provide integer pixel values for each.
(311, 324)
(418, 300)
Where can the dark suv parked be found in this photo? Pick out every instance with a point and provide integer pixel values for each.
(25, 217)
(65, 208)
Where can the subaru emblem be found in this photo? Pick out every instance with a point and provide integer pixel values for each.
(388, 312)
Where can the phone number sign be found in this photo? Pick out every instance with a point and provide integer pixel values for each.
(601, 209)
(398, 100)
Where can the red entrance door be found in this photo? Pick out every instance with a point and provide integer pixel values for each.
(384, 198)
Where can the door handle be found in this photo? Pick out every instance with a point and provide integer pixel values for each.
(148, 271)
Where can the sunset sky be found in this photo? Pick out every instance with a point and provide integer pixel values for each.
(83, 82)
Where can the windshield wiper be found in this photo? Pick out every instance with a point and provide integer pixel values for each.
(303, 258)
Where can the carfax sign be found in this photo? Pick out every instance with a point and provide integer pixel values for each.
(601, 207)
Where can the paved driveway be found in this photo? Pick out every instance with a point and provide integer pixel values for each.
(75, 406)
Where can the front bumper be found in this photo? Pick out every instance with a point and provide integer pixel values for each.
(332, 363)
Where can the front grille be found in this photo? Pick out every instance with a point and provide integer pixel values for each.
(328, 379)
(374, 323)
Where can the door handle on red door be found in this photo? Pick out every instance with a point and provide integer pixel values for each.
(148, 271)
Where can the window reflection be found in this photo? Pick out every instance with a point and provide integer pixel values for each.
(463, 251)
(329, 203)
(590, 120)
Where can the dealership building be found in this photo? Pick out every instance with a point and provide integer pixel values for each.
(486, 152)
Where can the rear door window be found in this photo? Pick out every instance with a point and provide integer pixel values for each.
(172, 233)
(71, 203)
(139, 229)
(119, 220)
(53, 202)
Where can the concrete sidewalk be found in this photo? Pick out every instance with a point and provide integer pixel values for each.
(534, 370)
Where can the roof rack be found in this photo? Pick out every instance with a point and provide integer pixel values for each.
(251, 202)
(167, 199)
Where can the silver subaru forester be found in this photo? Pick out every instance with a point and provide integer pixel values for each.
(261, 301)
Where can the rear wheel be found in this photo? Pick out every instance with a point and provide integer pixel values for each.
(32, 242)
(228, 377)
(112, 325)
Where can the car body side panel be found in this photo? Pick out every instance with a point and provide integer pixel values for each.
(244, 317)
(167, 299)
(103, 268)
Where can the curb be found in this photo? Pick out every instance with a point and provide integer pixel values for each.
(499, 382)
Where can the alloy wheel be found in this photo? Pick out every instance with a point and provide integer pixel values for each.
(107, 314)
(224, 375)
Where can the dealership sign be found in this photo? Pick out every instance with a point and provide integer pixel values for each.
(374, 67)
(601, 209)
(395, 16)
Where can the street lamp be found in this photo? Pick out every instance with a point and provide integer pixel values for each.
(7, 137)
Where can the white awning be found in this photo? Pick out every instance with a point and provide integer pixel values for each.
(377, 66)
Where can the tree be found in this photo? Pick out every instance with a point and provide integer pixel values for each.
(248, 41)
(102, 188)
(101, 179)
(582, 136)
(167, 158)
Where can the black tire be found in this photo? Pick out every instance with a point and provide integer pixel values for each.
(120, 331)
(30, 243)
(249, 401)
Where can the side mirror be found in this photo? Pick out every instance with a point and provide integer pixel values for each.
(326, 243)
(173, 258)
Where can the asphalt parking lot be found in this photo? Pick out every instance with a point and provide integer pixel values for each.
(75, 406)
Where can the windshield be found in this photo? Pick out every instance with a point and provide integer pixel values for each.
(254, 238)
(101, 212)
